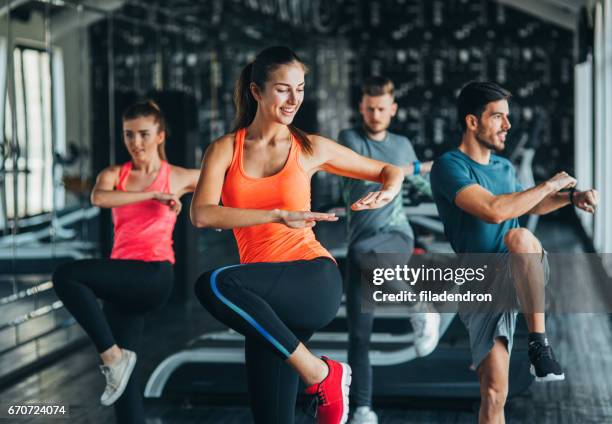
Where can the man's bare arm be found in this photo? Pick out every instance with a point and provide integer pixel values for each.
(480, 202)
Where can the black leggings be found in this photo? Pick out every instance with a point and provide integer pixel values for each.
(275, 306)
(128, 289)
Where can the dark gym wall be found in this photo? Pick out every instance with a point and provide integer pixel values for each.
(193, 54)
(189, 61)
(430, 48)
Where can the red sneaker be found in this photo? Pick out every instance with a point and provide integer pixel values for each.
(332, 393)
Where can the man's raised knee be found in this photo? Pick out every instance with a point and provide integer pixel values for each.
(521, 240)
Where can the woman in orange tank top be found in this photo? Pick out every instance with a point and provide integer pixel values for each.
(287, 285)
(144, 196)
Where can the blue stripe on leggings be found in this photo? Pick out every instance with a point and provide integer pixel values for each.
(242, 313)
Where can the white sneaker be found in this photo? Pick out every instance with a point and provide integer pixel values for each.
(364, 415)
(426, 326)
(117, 377)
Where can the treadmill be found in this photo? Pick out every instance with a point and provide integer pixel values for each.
(211, 366)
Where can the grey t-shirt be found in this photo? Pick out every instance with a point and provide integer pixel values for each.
(394, 149)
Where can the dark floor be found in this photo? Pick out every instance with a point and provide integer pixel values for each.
(582, 343)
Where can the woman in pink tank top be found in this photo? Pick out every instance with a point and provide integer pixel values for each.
(144, 195)
(287, 286)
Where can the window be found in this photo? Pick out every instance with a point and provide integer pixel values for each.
(29, 180)
(603, 128)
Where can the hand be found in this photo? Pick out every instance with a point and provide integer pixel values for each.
(373, 200)
(169, 199)
(300, 219)
(426, 167)
(561, 180)
(586, 200)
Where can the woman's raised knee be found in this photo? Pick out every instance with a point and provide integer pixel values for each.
(202, 287)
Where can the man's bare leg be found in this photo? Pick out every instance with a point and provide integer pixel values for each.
(493, 376)
(528, 276)
(526, 256)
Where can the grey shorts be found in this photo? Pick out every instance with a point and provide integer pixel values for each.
(484, 328)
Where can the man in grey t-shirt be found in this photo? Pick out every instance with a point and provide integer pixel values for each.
(391, 148)
(376, 232)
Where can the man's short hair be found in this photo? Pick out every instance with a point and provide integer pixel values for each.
(475, 96)
(377, 86)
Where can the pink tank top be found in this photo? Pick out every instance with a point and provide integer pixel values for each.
(143, 230)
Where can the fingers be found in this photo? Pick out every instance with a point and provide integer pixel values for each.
(587, 208)
(589, 203)
(176, 208)
(592, 197)
(563, 180)
(567, 180)
(320, 216)
(301, 219)
(175, 205)
(366, 201)
(165, 198)
(170, 200)
(317, 216)
(588, 200)
(373, 200)
(571, 182)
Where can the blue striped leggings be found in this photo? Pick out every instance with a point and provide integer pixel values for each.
(275, 306)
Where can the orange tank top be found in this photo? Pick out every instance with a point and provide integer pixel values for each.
(289, 189)
(143, 230)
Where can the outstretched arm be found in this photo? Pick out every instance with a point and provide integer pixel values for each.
(104, 194)
(207, 213)
(478, 201)
(336, 159)
(586, 200)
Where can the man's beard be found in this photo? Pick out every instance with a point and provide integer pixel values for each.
(486, 143)
(369, 130)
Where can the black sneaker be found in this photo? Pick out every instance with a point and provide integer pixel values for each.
(544, 365)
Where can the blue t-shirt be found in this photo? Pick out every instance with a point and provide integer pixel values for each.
(394, 149)
(455, 171)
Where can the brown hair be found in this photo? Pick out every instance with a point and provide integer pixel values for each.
(377, 86)
(145, 109)
(258, 72)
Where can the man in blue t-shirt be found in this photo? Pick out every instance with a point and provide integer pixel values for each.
(480, 200)
(382, 236)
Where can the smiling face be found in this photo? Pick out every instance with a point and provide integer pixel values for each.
(142, 137)
(282, 94)
(491, 128)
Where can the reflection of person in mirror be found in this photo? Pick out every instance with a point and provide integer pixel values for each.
(144, 195)
(480, 200)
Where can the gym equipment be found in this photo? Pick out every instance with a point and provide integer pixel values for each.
(195, 370)
(398, 373)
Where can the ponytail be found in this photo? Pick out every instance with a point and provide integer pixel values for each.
(161, 150)
(245, 103)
